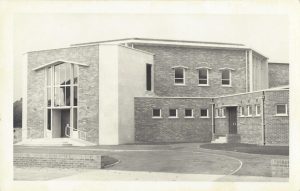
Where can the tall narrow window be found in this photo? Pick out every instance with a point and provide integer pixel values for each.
(226, 77)
(203, 76)
(49, 119)
(257, 110)
(179, 76)
(75, 119)
(148, 76)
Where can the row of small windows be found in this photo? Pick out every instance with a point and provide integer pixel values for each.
(203, 76)
(173, 113)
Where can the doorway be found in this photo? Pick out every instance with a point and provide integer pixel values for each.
(232, 120)
(60, 119)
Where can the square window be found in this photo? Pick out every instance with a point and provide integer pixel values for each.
(281, 109)
(173, 113)
(188, 113)
(204, 113)
(156, 113)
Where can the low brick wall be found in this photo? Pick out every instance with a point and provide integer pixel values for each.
(57, 160)
(17, 135)
(280, 167)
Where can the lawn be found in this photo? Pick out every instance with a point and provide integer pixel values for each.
(249, 148)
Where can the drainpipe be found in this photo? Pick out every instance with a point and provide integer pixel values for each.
(247, 71)
(263, 119)
(212, 118)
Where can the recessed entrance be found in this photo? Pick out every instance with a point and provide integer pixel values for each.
(60, 120)
(232, 120)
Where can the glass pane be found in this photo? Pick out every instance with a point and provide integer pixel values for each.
(68, 95)
(203, 113)
(202, 81)
(203, 74)
(225, 82)
(75, 119)
(172, 112)
(48, 97)
(250, 110)
(188, 112)
(156, 112)
(225, 74)
(258, 109)
(179, 81)
(56, 97)
(68, 73)
(62, 91)
(48, 76)
(75, 73)
(281, 109)
(56, 74)
(49, 119)
(179, 72)
(75, 95)
(62, 74)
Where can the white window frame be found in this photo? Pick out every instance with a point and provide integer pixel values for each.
(207, 74)
(282, 114)
(230, 77)
(248, 110)
(217, 112)
(207, 112)
(241, 111)
(220, 113)
(192, 116)
(183, 69)
(256, 113)
(173, 117)
(157, 117)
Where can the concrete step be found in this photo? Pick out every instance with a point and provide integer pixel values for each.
(55, 142)
(220, 140)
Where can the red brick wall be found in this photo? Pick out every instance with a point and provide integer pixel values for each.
(148, 129)
(57, 160)
(277, 127)
(278, 74)
(167, 57)
(249, 128)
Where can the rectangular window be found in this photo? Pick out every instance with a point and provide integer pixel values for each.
(226, 77)
(203, 76)
(217, 112)
(179, 76)
(173, 113)
(242, 111)
(188, 113)
(249, 110)
(257, 110)
(49, 76)
(204, 113)
(75, 119)
(148, 77)
(75, 74)
(49, 119)
(156, 113)
(281, 109)
(221, 112)
(49, 97)
(75, 96)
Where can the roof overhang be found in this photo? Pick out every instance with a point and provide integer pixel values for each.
(57, 62)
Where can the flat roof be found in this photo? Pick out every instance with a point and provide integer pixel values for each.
(128, 40)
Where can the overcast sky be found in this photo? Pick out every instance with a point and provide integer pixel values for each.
(267, 34)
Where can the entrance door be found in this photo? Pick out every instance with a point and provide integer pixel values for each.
(232, 116)
(65, 119)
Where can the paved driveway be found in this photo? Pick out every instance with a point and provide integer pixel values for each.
(175, 161)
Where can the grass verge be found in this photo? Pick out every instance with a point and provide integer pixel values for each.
(249, 148)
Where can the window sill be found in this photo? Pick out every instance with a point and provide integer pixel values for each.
(156, 117)
(226, 86)
(179, 85)
(203, 85)
(220, 117)
(189, 117)
(281, 115)
(204, 117)
(173, 117)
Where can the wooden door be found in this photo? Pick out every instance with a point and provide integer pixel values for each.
(232, 117)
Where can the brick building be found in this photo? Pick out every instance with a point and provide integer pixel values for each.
(150, 90)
